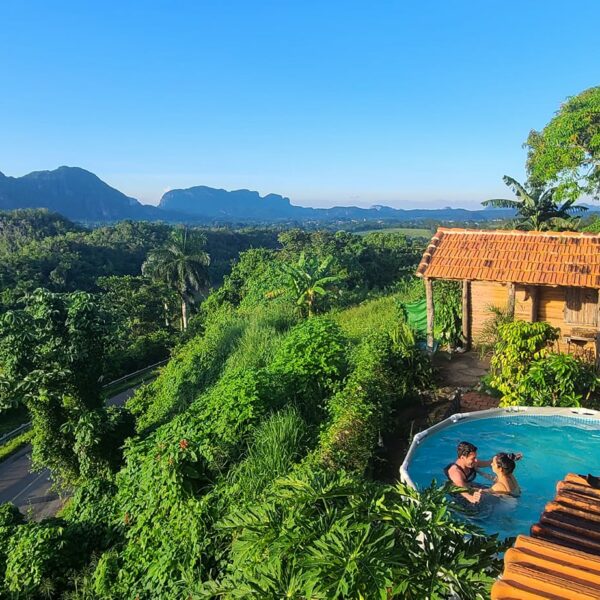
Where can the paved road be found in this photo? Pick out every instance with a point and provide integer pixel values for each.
(31, 491)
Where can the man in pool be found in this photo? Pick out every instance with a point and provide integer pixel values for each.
(464, 469)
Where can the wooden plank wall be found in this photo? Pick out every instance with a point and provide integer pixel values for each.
(551, 308)
(483, 295)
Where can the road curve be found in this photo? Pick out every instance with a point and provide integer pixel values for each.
(30, 492)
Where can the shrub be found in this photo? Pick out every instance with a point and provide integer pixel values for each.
(40, 556)
(10, 518)
(489, 337)
(386, 370)
(447, 298)
(310, 363)
(164, 501)
(520, 343)
(556, 380)
(328, 535)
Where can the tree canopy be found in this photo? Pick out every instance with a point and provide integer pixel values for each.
(182, 264)
(567, 151)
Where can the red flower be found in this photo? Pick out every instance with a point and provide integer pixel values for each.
(183, 444)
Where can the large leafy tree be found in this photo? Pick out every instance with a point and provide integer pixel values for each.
(537, 207)
(311, 280)
(566, 152)
(182, 263)
(52, 355)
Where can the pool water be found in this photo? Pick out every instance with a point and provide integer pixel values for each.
(552, 446)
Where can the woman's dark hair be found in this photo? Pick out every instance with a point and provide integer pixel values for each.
(506, 462)
(465, 448)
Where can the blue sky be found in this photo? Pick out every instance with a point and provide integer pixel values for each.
(400, 103)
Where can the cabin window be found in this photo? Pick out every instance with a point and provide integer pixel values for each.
(581, 307)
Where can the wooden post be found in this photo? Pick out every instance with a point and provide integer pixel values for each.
(466, 312)
(511, 299)
(535, 302)
(430, 313)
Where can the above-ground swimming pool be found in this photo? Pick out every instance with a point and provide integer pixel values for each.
(554, 442)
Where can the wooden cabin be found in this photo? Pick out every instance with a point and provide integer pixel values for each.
(537, 276)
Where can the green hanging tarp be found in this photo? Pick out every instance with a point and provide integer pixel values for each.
(416, 316)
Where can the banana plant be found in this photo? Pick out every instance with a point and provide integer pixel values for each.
(537, 208)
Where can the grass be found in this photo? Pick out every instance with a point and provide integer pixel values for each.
(279, 443)
(15, 444)
(407, 231)
(380, 314)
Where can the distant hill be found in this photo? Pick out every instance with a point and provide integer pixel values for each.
(84, 197)
(74, 193)
(219, 204)
(244, 205)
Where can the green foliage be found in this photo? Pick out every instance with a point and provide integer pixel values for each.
(19, 227)
(193, 368)
(488, 337)
(311, 280)
(567, 150)
(556, 380)
(520, 343)
(593, 226)
(10, 518)
(10, 515)
(447, 299)
(330, 536)
(51, 358)
(264, 331)
(254, 274)
(538, 208)
(40, 556)
(310, 363)
(378, 315)
(168, 474)
(182, 265)
(387, 369)
(139, 314)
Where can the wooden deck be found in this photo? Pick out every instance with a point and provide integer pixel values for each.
(560, 560)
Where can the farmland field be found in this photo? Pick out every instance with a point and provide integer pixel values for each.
(408, 231)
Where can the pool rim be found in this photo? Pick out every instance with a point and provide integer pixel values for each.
(573, 412)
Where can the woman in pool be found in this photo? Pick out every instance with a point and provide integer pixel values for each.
(503, 465)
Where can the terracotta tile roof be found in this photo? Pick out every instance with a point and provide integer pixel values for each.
(561, 558)
(528, 257)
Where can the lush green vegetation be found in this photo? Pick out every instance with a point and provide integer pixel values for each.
(566, 153)
(526, 372)
(249, 469)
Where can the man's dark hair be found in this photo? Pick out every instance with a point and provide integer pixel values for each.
(465, 448)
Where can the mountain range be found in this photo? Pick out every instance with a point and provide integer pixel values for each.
(82, 196)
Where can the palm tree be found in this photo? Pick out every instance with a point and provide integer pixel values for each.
(182, 263)
(310, 279)
(537, 208)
